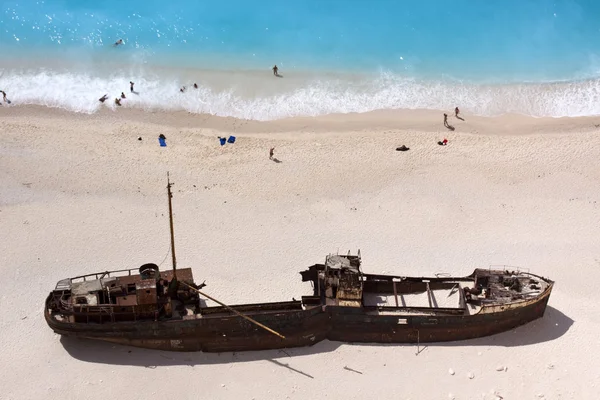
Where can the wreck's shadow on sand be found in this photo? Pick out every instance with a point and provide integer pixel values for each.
(553, 325)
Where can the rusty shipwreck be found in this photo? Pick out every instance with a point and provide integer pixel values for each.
(149, 308)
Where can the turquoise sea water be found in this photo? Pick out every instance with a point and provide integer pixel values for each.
(536, 57)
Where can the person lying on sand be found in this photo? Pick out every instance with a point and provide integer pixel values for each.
(123, 95)
(117, 101)
(103, 98)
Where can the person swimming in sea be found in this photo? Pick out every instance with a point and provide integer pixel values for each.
(103, 98)
(118, 42)
(123, 95)
(182, 89)
(195, 86)
(117, 101)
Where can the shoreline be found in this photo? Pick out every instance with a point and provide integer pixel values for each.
(412, 120)
(259, 96)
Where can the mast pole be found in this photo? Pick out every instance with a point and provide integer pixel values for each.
(171, 226)
(233, 310)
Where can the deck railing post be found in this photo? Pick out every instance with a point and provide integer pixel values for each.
(418, 343)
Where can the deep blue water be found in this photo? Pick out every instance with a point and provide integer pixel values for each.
(451, 51)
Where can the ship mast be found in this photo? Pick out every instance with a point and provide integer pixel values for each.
(170, 195)
(171, 226)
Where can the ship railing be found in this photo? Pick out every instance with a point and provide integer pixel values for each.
(504, 267)
(106, 274)
(81, 310)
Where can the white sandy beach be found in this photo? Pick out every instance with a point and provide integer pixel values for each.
(80, 194)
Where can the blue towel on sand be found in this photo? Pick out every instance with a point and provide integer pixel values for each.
(231, 139)
(162, 142)
(222, 140)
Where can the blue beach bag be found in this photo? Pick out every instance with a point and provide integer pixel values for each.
(231, 139)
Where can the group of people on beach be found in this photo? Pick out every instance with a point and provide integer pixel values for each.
(446, 124)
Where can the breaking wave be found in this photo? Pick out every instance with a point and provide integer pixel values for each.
(261, 97)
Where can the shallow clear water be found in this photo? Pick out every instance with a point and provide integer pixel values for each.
(536, 57)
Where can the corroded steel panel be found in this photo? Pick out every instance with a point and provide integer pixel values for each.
(129, 300)
(146, 292)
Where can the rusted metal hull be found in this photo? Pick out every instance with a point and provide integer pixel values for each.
(305, 327)
(208, 334)
(350, 326)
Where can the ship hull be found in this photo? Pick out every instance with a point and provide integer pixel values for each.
(348, 326)
(305, 327)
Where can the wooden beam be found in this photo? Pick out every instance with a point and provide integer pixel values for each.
(266, 328)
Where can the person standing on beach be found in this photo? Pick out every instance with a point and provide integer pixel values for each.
(271, 152)
(275, 71)
(131, 86)
(456, 112)
(446, 124)
(4, 96)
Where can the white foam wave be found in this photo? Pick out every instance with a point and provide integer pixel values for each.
(264, 99)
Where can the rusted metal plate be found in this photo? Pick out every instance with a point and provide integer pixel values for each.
(184, 274)
(125, 280)
(129, 300)
(146, 292)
